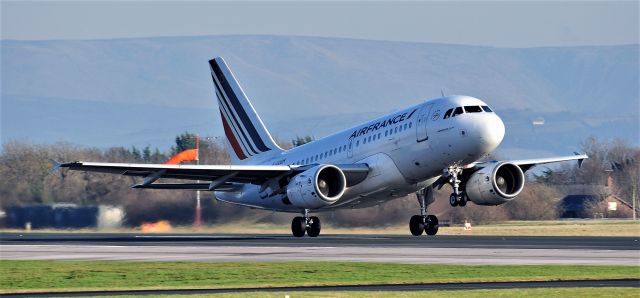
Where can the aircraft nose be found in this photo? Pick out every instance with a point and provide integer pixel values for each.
(491, 133)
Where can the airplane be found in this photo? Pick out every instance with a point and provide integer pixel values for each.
(415, 150)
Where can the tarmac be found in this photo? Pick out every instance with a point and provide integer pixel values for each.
(444, 249)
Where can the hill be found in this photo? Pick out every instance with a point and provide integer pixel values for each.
(146, 90)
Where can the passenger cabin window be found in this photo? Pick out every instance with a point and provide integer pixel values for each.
(457, 111)
(487, 109)
(472, 109)
(447, 114)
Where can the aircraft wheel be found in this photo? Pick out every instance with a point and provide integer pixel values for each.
(463, 200)
(314, 226)
(416, 225)
(431, 227)
(453, 200)
(298, 226)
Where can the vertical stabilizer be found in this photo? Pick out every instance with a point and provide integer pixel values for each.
(248, 139)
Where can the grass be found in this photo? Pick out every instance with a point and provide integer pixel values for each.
(21, 276)
(535, 293)
(621, 228)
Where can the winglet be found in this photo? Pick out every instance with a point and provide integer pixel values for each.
(581, 160)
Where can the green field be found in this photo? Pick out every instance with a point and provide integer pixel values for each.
(535, 293)
(20, 276)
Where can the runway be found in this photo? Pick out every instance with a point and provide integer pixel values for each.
(378, 248)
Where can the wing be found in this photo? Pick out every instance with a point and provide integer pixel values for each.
(219, 177)
(526, 164)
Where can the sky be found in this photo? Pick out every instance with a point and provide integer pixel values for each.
(488, 23)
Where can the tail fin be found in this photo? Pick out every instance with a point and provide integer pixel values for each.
(247, 137)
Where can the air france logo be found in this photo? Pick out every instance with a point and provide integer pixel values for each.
(436, 115)
(382, 124)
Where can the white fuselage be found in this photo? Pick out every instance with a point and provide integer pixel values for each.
(405, 151)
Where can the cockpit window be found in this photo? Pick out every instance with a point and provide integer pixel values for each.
(457, 111)
(487, 109)
(472, 109)
(447, 114)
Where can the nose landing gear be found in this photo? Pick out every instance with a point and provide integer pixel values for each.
(423, 222)
(457, 198)
(310, 225)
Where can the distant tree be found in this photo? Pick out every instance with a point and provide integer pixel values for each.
(299, 141)
(537, 201)
(184, 141)
(158, 157)
(213, 151)
(146, 154)
(136, 153)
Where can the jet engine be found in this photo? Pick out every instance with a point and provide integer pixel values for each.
(317, 187)
(495, 184)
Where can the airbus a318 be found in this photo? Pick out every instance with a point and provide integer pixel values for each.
(425, 146)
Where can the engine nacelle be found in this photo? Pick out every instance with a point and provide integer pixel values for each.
(495, 184)
(317, 187)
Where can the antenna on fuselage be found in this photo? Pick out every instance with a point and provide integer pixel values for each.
(442, 92)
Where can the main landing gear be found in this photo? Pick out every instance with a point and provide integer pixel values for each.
(302, 224)
(457, 198)
(423, 222)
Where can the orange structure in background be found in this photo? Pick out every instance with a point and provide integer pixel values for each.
(161, 226)
(190, 155)
(187, 155)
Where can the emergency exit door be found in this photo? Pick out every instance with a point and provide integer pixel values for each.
(421, 125)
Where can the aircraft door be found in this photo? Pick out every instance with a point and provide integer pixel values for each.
(421, 125)
(350, 149)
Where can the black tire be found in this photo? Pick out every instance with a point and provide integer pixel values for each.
(298, 226)
(453, 200)
(432, 225)
(314, 227)
(463, 200)
(416, 225)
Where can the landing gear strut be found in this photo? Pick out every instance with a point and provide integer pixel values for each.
(302, 224)
(423, 222)
(457, 198)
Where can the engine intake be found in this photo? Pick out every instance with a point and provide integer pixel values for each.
(317, 187)
(495, 184)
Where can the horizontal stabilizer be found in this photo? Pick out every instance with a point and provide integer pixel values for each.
(56, 165)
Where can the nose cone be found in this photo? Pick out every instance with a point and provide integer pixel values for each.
(491, 132)
(496, 132)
